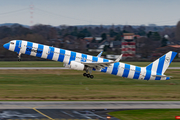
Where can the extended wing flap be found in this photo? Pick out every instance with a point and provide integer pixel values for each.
(99, 65)
(102, 64)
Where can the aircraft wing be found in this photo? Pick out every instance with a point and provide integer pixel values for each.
(99, 65)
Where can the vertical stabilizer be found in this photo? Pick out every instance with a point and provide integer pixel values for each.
(160, 65)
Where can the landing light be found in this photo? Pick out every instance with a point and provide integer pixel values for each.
(108, 117)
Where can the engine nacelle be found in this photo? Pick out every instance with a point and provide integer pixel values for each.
(76, 65)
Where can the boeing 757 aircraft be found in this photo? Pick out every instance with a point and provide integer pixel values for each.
(88, 63)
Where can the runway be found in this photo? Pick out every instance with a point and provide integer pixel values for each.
(91, 105)
(54, 114)
(47, 68)
(96, 110)
(32, 68)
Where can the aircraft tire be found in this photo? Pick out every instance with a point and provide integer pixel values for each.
(88, 75)
(91, 76)
(84, 74)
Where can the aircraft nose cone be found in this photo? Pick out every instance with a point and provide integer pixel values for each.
(6, 45)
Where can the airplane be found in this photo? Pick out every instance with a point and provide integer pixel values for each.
(88, 63)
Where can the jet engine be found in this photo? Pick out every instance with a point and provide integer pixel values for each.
(76, 65)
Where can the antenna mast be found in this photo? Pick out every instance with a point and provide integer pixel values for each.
(31, 7)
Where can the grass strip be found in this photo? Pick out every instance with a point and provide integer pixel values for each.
(71, 85)
(148, 114)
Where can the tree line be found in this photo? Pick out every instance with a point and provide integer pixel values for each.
(63, 36)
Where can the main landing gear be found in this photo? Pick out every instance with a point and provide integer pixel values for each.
(88, 72)
(88, 75)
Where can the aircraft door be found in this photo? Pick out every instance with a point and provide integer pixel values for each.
(49, 51)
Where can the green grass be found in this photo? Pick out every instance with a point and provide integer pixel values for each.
(71, 85)
(59, 64)
(30, 64)
(149, 114)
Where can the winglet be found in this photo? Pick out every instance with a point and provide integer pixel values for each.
(119, 58)
(99, 55)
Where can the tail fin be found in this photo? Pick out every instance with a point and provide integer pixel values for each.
(160, 65)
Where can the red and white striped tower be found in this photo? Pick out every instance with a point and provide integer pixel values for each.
(128, 46)
(31, 7)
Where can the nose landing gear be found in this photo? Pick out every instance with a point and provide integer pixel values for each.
(19, 57)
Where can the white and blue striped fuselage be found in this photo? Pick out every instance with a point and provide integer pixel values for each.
(66, 56)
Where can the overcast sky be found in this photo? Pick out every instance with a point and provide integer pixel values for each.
(91, 12)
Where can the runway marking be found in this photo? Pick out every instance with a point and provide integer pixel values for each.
(67, 113)
(76, 112)
(92, 113)
(42, 113)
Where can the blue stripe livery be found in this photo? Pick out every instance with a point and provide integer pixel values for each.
(40, 50)
(173, 56)
(115, 68)
(50, 53)
(72, 57)
(137, 73)
(18, 46)
(84, 57)
(94, 59)
(28, 48)
(160, 67)
(104, 69)
(126, 70)
(61, 55)
(148, 75)
(154, 71)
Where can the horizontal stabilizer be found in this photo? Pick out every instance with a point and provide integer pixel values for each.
(161, 76)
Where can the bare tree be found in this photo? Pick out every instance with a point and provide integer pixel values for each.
(177, 32)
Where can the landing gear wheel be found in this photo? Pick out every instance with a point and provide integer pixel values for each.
(84, 74)
(88, 75)
(91, 76)
(19, 59)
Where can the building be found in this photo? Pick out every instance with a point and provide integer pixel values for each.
(128, 46)
(162, 50)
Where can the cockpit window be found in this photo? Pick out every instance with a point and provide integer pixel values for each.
(12, 43)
